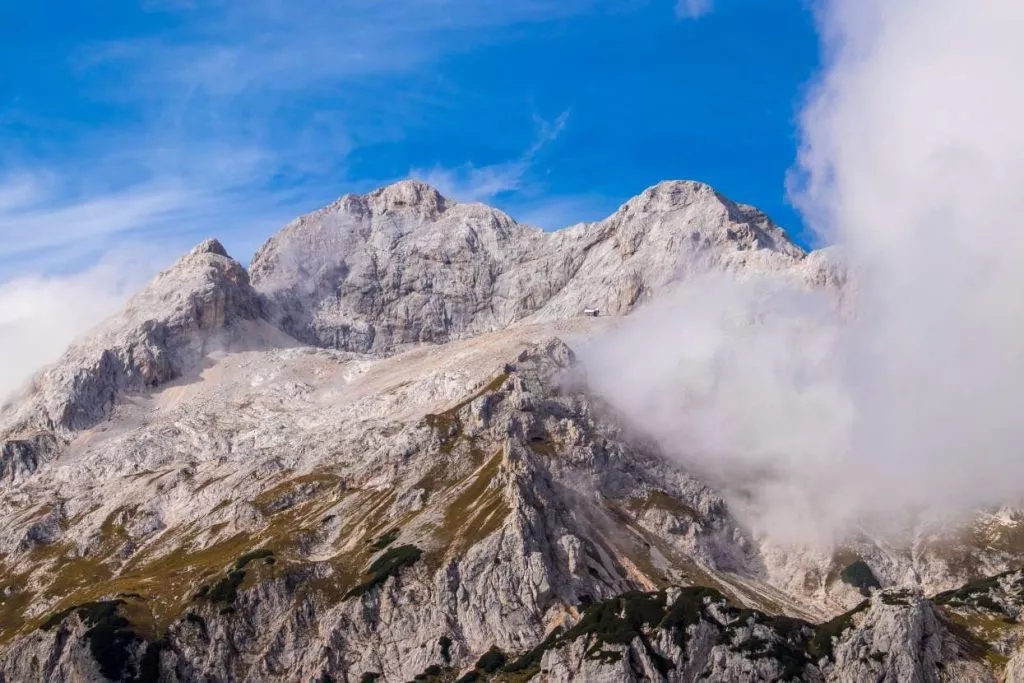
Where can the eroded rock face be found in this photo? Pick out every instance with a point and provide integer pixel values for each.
(699, 636)
(163, 333)
(483, 522)
(275, 482)
(404, 265)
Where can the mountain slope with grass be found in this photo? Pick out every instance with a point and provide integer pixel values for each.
(375, 456)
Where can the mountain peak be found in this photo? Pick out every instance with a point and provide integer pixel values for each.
(675, 194)
(408, 194)
(203, 301)
(236, 506)
(210, 246)
(403, 265)
(679, 186)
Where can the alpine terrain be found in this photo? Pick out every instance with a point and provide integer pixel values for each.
(373, 456)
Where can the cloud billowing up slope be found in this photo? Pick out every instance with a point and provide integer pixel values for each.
(41, 315)
(912, 158)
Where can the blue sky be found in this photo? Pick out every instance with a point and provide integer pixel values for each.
(162, 122)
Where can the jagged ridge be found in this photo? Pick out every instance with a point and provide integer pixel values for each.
(404, 265)
(221, 502)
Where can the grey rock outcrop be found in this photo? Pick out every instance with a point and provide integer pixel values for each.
(162, 334)
(381, 461)
(404, 265)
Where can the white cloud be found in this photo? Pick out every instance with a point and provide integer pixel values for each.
(53, 224)
(278, 46)
(471, 183)
(693, 9)
(739, 381)
(71, 256)
(40, 316)
(218, 143)
(38, 220)
(18, 192)
(913, 158)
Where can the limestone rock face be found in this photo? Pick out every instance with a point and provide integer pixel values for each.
(161, 335)
(383, 461)
(404, 265)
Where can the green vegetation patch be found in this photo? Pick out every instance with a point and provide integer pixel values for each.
(821, 644)
(384, 540)
(898, 597)
(859, 575)
(491, 661)
(686, 611)
(659, 500)
(448, 424)
(433, 674)
(980, 593)
(841, 558)
(477, 511)
(226, 590)
(529, 664)
(618, 622)
(261, 554)
(113, 641)
(980, 613)
(621, 620)
(446, 648)
(12, 605)
(387, 565)
(168, 569)
(790, 647)
(979, 635)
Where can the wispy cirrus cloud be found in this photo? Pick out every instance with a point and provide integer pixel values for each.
(183, 120)
(33, 217)
(232, 113)
(60, 218)
(521, 179)
(272, 45)
(225, 119)
(482, 183)
(693, 9)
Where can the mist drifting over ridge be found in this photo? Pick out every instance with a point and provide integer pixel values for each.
(912, 159)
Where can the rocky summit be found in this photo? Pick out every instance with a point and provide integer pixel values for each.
(374, 456)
